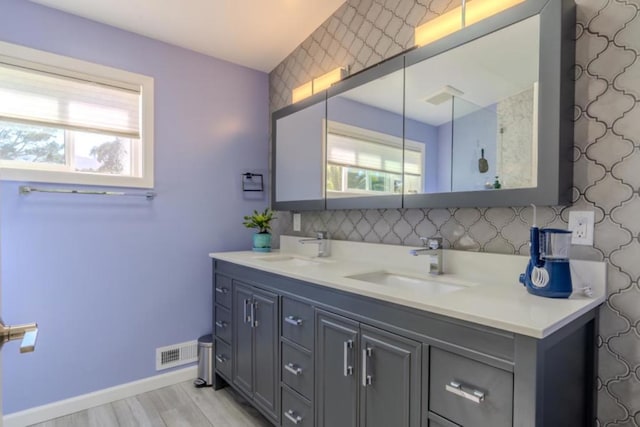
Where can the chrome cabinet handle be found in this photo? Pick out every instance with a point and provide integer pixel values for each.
(366, 379)
(347, 369)
(247, 319)
(221, 324)
(220, 358)
(222, 290)
(295, 370)
(456, 388)
(293, 320)
(254, 322)
(295, 419)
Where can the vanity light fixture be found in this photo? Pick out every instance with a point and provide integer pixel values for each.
(468, 13)
(302, 91)
(318, 84)
(324, 81)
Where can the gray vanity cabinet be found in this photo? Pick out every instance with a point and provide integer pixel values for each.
(359, 366)
(310, 355)
(336, 371)
(390, 379)
(468, 392)
(222, 326)
(255, 346)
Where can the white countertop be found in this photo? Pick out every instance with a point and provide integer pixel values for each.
(492, 295)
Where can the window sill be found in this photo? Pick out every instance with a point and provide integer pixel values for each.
(60, 177)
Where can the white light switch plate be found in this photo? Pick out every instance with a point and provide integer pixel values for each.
(581, 223)
(296, 222)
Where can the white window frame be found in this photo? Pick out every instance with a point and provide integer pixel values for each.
(45, 61)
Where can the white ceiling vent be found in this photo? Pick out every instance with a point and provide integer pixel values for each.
(176, 355)
(443, 95)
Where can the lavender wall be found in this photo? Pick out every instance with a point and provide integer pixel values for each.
(109, 280)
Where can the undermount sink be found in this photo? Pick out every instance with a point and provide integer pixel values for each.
(423, 285)
(290, 261)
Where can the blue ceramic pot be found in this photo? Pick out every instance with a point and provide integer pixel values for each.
(262, 242)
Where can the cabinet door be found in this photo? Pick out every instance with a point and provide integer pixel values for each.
(389, 378)
(266, 351)
(242, 337)
(336, 371)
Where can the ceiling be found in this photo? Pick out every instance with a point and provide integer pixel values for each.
(487, 70)
(255, 33)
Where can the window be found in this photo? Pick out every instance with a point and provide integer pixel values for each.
(69, 121)
(360, 161)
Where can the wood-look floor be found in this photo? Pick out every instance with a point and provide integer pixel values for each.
(181, 405)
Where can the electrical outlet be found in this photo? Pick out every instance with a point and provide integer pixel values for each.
(296, 222)
(581, 224)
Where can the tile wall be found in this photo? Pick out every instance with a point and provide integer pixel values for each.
(606, 177)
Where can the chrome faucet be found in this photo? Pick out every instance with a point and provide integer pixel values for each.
(433, 248)
(322, 240)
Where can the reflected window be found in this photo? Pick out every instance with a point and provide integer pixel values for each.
(360, 161)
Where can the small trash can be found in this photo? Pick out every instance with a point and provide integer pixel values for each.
(205, 361)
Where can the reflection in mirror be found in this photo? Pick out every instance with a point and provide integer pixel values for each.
(298, 157)
(493, 146)
(364, 141)
(477, 104)
(473, 146)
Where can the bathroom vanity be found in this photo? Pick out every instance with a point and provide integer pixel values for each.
(366, 337)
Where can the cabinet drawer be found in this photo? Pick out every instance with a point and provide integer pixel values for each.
(296, 411)
(297, 370)
(222, 358)
(434, 420)
(223, 324)
(468, 392)
(434, 423)
(222, 291)
(297, 322)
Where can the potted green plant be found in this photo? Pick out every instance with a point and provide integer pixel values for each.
(261, 221)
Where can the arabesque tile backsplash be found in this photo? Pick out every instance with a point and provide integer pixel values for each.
(606, 155)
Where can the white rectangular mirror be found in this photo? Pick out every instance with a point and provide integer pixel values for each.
(478, 104)
(299, 170)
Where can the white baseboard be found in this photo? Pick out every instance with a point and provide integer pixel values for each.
(97, 398)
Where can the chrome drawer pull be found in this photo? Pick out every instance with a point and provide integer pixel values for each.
(366, 379)
(293, 320)
(292, 416)
(247, 318)
(221, 324)
(347, 369)
(456, 388)
(295, 370)
(222, 290)
(220, 358)
(254, 322)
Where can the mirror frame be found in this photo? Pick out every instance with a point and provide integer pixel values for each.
(555, 114)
